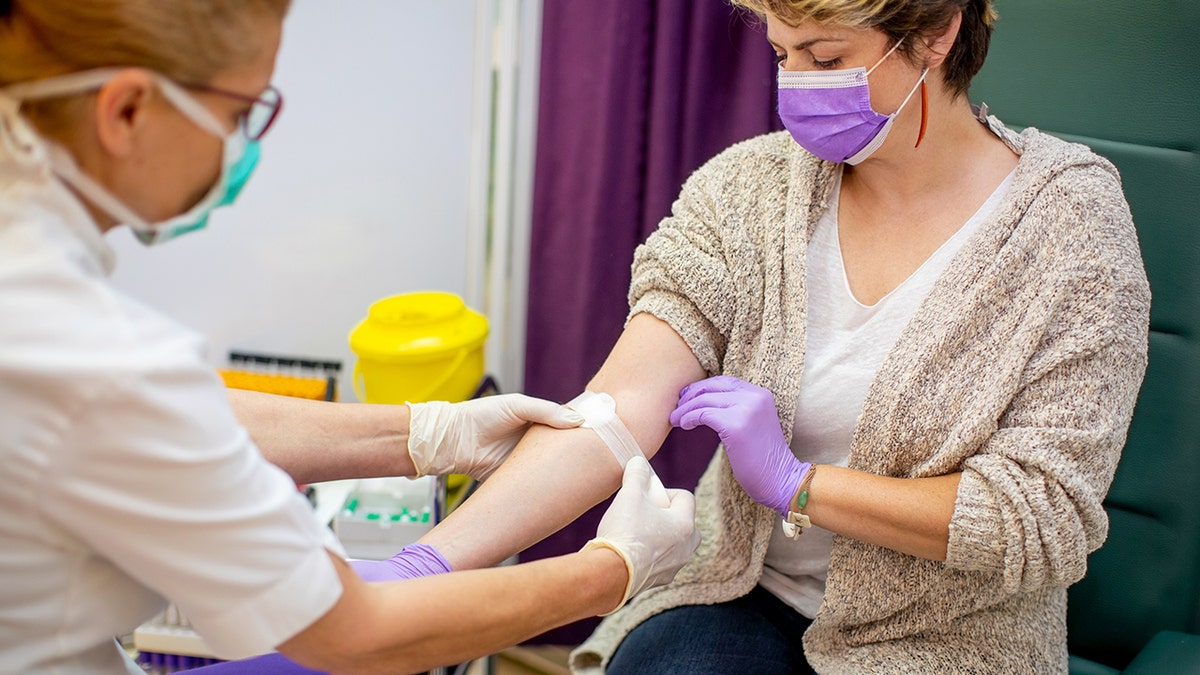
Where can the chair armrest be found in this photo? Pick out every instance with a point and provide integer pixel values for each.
(1169, 652)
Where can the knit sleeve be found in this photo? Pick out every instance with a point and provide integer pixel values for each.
(662, 289)
(688, 271)
(1029, 504)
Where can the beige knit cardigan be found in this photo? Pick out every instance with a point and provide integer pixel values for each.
(1020, 369)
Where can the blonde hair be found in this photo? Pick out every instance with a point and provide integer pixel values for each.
(898, 19)
(188, 40)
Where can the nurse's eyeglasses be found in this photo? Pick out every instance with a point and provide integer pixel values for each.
(263, 109)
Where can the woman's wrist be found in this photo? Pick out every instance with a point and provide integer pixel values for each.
(795, 521)
(799, 498)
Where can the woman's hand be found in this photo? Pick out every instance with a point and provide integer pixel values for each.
(744, 416)
(474, 437)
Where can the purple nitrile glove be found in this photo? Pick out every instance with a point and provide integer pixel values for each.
(744, 416)
(414, 560)
(267, 664)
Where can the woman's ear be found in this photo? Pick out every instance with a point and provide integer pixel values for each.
(122, 110)
(938, 46)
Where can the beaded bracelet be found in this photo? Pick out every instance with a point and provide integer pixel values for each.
(796, 522)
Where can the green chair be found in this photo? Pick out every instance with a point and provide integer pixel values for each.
(1124, 78)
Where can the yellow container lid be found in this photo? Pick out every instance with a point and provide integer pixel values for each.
(417, 327)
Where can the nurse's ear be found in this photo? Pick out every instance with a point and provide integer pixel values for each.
(123, 107)
(937, 46)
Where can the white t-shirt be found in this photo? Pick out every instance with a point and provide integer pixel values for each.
(846, 344)
(124, 476)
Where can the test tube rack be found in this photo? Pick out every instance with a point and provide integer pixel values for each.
(167, 644)
(286, 375)
(380, 516)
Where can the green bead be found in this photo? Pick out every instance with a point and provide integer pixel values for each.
(802, 500)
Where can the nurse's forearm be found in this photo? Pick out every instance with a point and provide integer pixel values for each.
(316, 441)
(415, 625)
(554, 476)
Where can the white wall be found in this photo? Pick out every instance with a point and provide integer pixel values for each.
(362, 191)
(507, 70)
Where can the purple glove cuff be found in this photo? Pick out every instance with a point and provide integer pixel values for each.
(414, 560)
(787, 487)
(269, 664)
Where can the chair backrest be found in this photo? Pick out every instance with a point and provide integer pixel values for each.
(1124, 78)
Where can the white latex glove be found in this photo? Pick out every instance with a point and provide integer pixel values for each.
(652, 528)
(474, 437)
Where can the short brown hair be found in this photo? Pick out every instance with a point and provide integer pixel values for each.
(897, 19)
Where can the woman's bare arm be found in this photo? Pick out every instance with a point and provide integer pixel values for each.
(554, 476)
(909, 515)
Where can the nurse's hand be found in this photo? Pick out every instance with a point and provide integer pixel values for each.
(474, 437)
(745, 418)
(653, 529)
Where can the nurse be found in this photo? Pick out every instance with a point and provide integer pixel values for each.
(128, 477)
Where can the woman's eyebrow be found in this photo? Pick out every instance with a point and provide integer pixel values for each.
(807, 43)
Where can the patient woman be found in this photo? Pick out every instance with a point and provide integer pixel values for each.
(911, 326)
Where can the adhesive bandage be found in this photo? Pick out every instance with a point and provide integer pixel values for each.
(600, 414)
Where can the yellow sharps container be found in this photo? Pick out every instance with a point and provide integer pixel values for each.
(414, 347)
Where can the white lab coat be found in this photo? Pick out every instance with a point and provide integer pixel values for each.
(124, 476)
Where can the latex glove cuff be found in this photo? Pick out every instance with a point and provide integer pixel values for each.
(629, 585)
(430, 423)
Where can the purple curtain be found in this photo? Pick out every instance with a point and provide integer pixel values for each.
(634, 96)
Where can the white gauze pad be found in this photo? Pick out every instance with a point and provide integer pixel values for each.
(600, 414)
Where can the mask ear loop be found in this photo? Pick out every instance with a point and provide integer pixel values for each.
(924, 92)
(190, 107)
(884, 57)
(924, 113)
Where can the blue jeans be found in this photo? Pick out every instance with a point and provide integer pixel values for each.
(755, 634)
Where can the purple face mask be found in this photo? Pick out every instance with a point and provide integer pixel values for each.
(829, 112)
